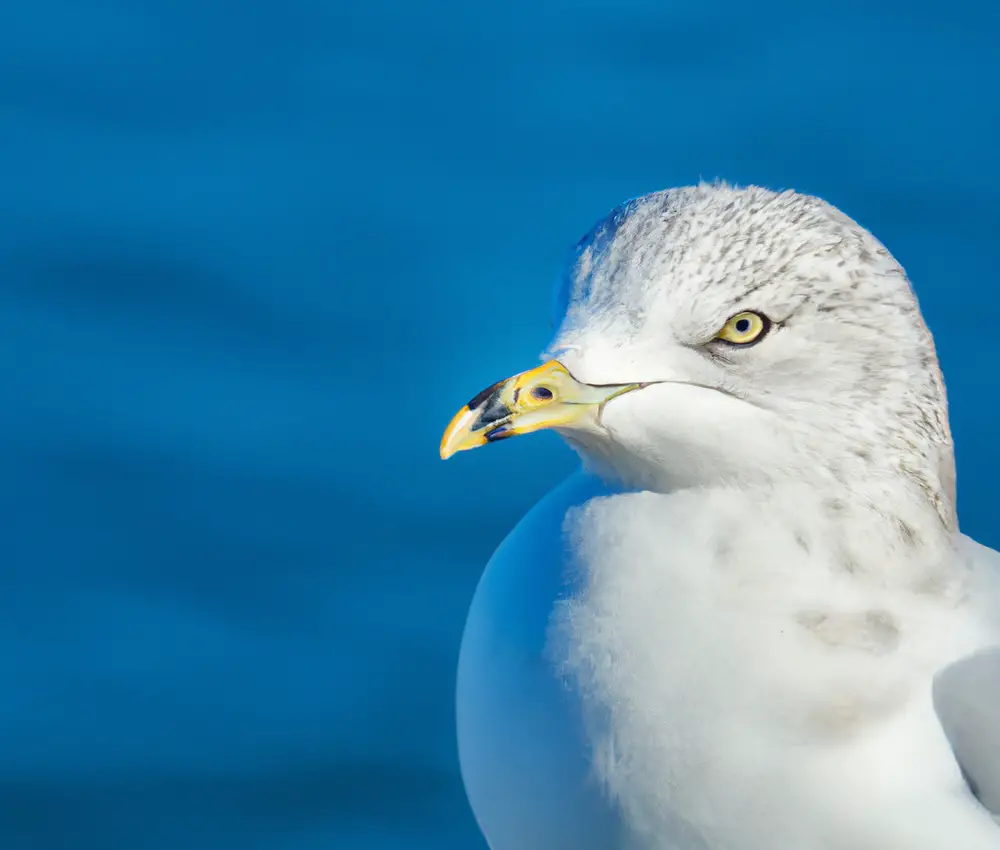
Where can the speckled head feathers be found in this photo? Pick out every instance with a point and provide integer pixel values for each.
(846, 383)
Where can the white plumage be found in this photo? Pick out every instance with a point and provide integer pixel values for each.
(724, 634)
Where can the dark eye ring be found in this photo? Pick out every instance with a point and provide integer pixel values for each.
(743, 329)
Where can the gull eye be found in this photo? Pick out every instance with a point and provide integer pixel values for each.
(744, 329)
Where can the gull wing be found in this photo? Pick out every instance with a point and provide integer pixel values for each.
(967, 700)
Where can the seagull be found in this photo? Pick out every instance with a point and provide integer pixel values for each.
(749, 621)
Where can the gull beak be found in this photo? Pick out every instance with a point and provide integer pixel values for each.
(545, 397)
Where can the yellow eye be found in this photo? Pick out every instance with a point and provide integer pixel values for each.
(744, 328)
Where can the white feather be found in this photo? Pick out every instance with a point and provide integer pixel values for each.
(726, 637)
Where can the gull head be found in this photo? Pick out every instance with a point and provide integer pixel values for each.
(718, 335)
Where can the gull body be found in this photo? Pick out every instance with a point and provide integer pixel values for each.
(751, 620)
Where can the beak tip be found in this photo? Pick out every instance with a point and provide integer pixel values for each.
(451, 441)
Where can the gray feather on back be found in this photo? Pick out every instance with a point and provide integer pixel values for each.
(967, 701)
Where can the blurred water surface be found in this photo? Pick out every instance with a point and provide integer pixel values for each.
(253, 256)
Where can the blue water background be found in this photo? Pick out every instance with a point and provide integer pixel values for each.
(252, 258)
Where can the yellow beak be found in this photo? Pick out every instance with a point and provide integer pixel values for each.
(545, 397)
